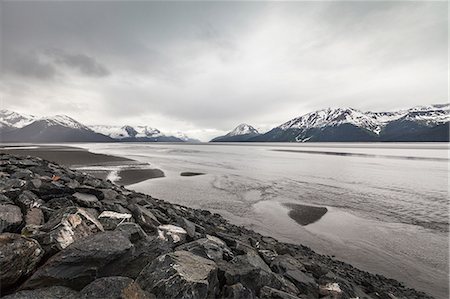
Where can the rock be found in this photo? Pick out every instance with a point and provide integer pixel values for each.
(34, 217)
(332, 290)
(252, 274)
(187, 225)
(110, 219)
(27, 200)
(108, 194)
(19, 257)
(82, 262)
(267, 255)
(67, 226)
(115, 287)
(36, 183)
(237, 291)
(5, 200)
(56, 204)
(10, 218)
(86, 200)
(208, 248)
(172, 233)
(144, 218)
(180, 274)
(55, 292)
(294, 271)
(132, 230)
(270, 293)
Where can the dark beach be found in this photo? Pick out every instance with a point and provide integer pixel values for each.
(74, 157)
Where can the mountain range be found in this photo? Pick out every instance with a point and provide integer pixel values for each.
(15, 127)
(421, 123)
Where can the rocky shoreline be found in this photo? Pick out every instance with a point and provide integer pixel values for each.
(67, 234)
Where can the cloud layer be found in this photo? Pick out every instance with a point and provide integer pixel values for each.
(203, 68)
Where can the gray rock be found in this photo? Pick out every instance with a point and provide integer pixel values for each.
(294, 271)
(251, 273)
(187, 225)
(237, 291)
(110, 219)
(5, 200)
(27, 200)
(144, 218)
(172, 233)
(10, 218)
(270, 293)
(86, 200)
(209, 248)
(82, 262)
(109, 194)
(132, 230)
(180, 274)
(19, 257)
(55, 292)
(34, 217)
(115, 287)
(66, 226)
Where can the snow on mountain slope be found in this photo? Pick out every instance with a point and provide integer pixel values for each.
(371, 121)
(121, 132)
(64, 121)
(243, 129)
(333, 117)
(14, 119)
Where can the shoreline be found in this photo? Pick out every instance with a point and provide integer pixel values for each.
(242, 260)
(126, 171)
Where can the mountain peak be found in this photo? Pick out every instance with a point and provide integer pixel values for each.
(65, 121)
(243, 129)
(14, 119)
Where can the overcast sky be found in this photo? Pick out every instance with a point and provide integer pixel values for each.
(203, 68)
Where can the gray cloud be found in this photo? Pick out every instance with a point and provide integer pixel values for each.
(207, 66)
(85, 64)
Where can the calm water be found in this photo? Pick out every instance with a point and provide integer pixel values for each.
(388, 203)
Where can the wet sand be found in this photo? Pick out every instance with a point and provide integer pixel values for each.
(77, 157)
(304, 214)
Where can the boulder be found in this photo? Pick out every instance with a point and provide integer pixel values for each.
(19, 257)
(82, 262)
(144, 218)
(237, 291)
(110, 219)
(115, 287)
(180, 274)
(34, 217)
(145, 250)
(27, 200)
(67, 226)
(332, 290)
(294, 271)
(10, 218)
(55, 292)
(86, 200)
(56, 204)
(210, 248)
(252, 274)
(172, 233)
(270, 293)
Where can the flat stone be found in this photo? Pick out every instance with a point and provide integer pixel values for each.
(82, 262)
(180, 274)
(27, 200)
(86, 200)
(208, 248)
(110, 219)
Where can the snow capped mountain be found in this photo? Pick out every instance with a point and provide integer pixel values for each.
(136, 133)
(333, 117)
(243, 129)
(64, 121)
(14, 119)
(243, 132)
(421, 123)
